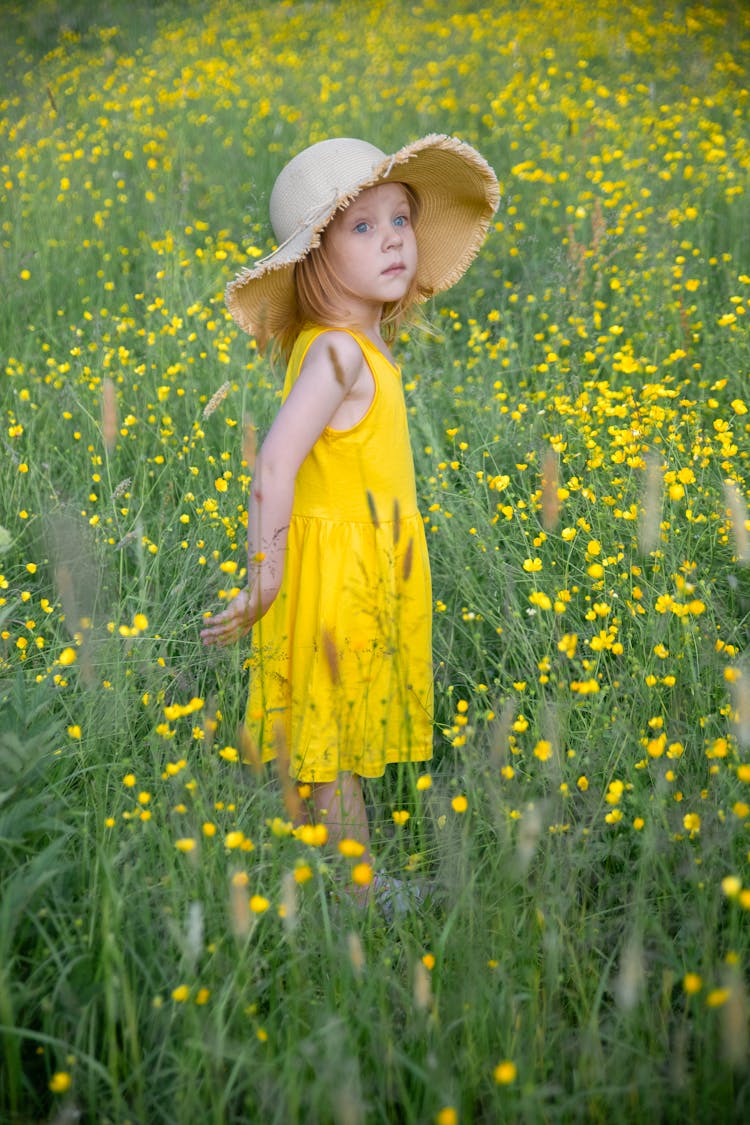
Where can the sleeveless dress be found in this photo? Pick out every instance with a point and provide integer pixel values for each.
(341, 664)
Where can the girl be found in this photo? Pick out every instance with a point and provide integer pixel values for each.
(338, 595)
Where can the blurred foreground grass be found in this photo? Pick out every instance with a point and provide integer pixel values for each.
(169, 951)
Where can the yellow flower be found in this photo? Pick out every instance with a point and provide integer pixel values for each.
(129, 780)
(428, 960)
(425, 781)
(583, 783)
(540, 599)
(543, 750)
(303, 873)
(60, 1082)
(362, 874)
(316, 835)
(584, 687)
(202, 996)
(352, 849)
(74, 731)
(68, 656)
(567, 644)
(717, 997)
(655, 746)
(180, 994)
(185, 844)
(259, 904)
(692, 983)
(446, 1116)
(459, 804)
(400, 816)
(614, 792)
(731, 885)
(505, 1072)
(692, 823)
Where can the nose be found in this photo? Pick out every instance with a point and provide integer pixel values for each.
(393, 237)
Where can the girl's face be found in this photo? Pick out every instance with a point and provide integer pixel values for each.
(373, 250)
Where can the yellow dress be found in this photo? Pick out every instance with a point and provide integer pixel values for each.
(341, 664)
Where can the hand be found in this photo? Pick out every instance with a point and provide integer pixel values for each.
(232, 623)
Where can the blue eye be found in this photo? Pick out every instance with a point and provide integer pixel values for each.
(401, 221)
(361, 228)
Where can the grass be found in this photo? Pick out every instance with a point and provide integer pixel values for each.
(169, 951)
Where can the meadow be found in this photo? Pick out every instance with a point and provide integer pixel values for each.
(170, 949)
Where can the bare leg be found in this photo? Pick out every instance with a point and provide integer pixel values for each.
(340, 806)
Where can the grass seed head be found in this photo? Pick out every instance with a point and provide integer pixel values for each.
(373, 510)
(631, 977)
(240, 920)
(422, 987)
(331, 653)
(740, 689)
(289, 793)
(122, 488)
(530, 830)
(248, 747)
(289, 902)
(651, 503)
(109, 414)
(499, 734)
(194, 932)
(550, 491)
(210, 724)
(737, 512)
(356, 953)
(408, 560)
(337, 368)
(734, 1022)
(216, 399)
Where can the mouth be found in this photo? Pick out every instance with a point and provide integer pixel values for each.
(394, 270)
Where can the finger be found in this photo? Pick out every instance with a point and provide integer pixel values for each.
(213, 633)
(222, 633)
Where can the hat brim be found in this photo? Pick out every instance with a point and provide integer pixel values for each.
(458, 195)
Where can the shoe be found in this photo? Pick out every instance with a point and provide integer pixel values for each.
(396, 897)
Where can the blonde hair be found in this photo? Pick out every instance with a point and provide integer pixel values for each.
(321, 296)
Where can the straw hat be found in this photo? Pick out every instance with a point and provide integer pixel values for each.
(457, 192)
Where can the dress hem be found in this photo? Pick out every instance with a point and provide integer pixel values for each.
(322, 776)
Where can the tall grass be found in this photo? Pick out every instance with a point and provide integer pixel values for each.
(169, 949)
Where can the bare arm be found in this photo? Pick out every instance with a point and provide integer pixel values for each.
(322, 386)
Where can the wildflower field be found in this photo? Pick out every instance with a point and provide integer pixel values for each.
(170, 950)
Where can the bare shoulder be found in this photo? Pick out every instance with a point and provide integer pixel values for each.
(339, 354)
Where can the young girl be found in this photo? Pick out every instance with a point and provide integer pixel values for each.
(338, 594)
